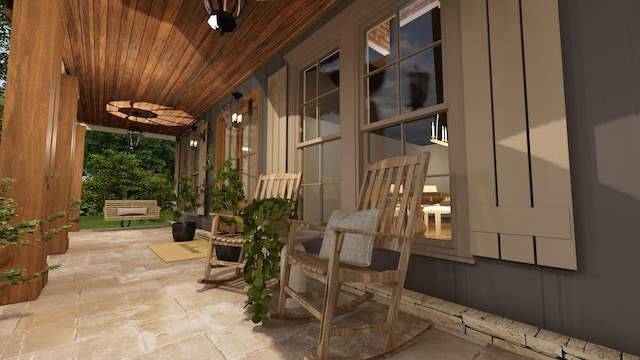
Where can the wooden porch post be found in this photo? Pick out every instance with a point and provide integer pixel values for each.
(60, 187)
(28, 134)
(76, 171)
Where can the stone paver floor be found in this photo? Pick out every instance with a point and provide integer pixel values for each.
(113, 298)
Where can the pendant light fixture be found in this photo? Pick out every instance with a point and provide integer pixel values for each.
(195, 138)
(237, 111)
(134, 136)
(220, 19)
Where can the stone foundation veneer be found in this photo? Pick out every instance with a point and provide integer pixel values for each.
(522, 339)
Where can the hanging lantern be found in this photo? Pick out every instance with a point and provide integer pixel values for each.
(195, 138)
(134, 136)
(236, 111)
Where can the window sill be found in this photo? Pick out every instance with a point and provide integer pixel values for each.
(440, 249)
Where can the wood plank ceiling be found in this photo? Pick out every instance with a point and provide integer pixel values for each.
(164, 52)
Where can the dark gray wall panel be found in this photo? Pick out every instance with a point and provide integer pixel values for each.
(599, 302)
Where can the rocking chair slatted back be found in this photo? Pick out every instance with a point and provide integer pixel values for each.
(282, 185)
(383, 189)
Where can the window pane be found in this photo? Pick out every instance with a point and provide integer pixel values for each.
(418, 135)
(249, 137)
(436, 200)
(331, 178)
(385, 143)
(330, 200)
(248, 176)
(311, 201)
(231, 142)
(329, 76)
(310, 164)
(419, 82)
(381, 44)
(419, 26)
(331, 173)
(310, 84)
(194, 162)
(383, 100)
(329, 113)
(309, 121)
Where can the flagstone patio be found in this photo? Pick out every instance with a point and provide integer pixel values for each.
(113, 298)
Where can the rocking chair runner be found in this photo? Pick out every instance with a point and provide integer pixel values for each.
(277, 185)
(393, 210)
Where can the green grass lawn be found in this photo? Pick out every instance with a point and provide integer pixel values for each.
(98, 222)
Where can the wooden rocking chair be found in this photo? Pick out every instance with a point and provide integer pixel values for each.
(385, 219)
(277, 185)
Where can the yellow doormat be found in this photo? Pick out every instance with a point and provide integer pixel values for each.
(178, 251)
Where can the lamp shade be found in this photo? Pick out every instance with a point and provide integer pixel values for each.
(221, 21)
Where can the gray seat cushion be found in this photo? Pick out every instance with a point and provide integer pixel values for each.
(131, 211)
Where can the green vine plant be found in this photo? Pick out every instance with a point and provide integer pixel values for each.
(51, 176)
(13, 234)
(75, 209)
(262, 219)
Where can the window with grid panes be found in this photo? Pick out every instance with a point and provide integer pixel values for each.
(405, 110)
(319, 141)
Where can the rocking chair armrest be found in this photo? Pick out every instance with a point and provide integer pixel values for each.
(306, 224)
(366, 232)
(222, 215)
(303, 225)
(217, 221)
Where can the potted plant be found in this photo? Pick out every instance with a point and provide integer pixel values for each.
(264, 220)
(187, 200)
(227, 197)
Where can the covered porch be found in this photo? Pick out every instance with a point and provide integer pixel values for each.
(42, 135)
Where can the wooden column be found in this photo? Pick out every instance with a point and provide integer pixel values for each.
(33, 83)
(76, 172)
(60, 187)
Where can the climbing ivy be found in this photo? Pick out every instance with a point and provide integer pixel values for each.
(12, 234)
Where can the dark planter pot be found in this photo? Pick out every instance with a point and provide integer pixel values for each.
(227, 253)
(183, 231)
